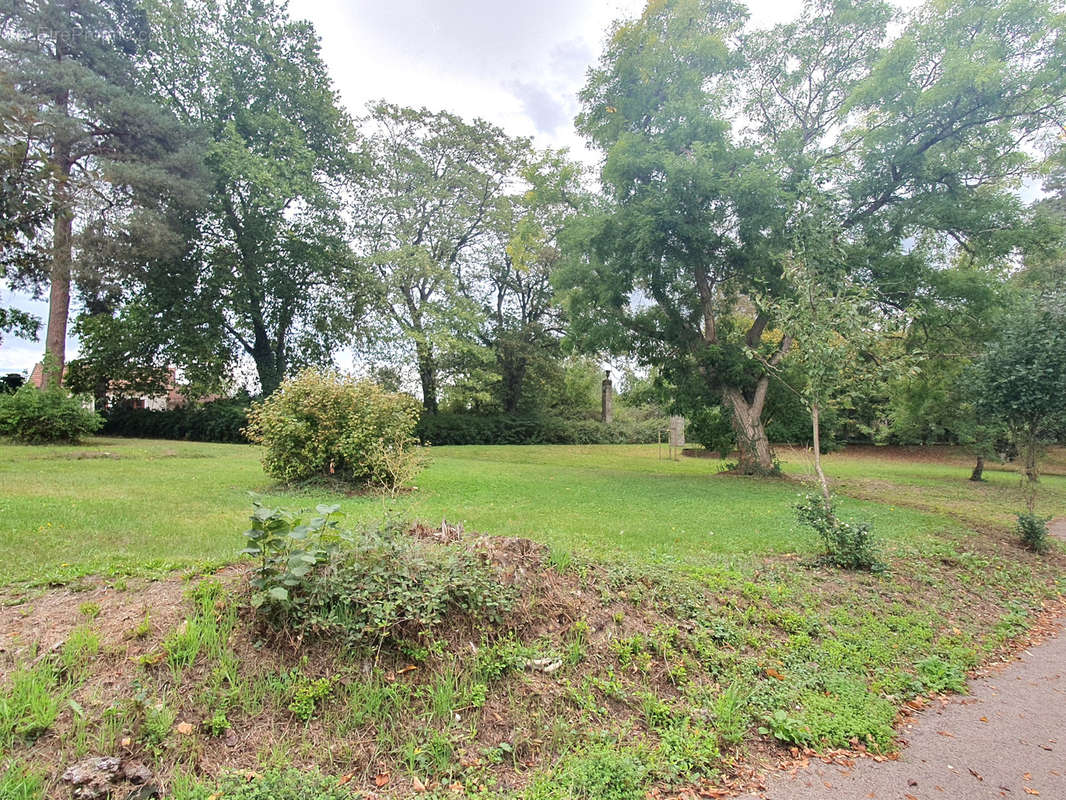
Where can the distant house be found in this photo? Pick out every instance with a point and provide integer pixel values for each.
(168, 401)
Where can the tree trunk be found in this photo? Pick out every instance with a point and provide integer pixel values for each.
(55, 343)
(756, 455)
(267, 364)
(817, 436)
(978, 470)
(427, 374)
(512, 374)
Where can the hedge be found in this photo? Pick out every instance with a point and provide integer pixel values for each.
(445, 429)
(223, 421)
(220, 421)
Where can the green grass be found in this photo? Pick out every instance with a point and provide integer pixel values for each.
(693, 632)
(133, 506)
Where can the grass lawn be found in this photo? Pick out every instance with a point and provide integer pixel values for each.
(119, 505)
(683, 628)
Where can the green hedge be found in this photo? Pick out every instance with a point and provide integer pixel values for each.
(220, 421)
(445, 429)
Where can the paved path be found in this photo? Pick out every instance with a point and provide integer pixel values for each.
(1007, 738)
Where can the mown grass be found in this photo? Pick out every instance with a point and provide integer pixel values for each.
(677, 601)
(131, 506)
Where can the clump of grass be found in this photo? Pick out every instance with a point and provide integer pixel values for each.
(29, 703)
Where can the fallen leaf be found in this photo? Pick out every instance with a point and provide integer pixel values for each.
(1030, 791)
(185, 728)
(945, 733)
(418, 785)
(975, 773)
(408, 668)
(344, 779)
(773, 673)
(381, 779)
(984, 719)
(1027, 776)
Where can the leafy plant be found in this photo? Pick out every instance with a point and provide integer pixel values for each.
(307, 694)
(367, 586)
(785, 728)
(324, 426)
(846, 545)
(606, 773)
(36, 416)
(1034, 532)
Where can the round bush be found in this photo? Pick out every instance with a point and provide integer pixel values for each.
(322, 425)
(36, 416)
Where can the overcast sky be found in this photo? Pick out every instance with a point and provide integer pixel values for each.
(517, 64)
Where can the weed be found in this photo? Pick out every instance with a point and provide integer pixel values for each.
(605, 773)
(21, 782)
(78, 651)
(89, 610)
(938, 675)
(307, 693)
(29, 703)
(687, 751)
(158, 721)
(785, 728)
(846, 545)
(1033, 531)
(730, 714)
(142, 629)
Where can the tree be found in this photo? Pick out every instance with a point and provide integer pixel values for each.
(430, 197)
(1020, 379)
(910, 144)
(513, 277)
(265, 259)
(78, 114)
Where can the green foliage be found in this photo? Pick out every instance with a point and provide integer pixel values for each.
(206, 630)
(217, 421)
(604, 773)
(36, 416)
(1033, 532)
(785, 728)
(688, 751)
(29, 703)
(263, 271)
(938, 675)
(366, 587)
(320, 425)
(307, 694)
(21, 782)
(453, 429)
(1020, 379)
(846, 545)
(852, 127)
(712, 428)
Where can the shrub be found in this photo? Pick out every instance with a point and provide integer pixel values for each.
(847, 545)
(458, 429)
(291, 784)
(1034, 532)
(606, 773)
(36, 416)
(324, 425)
(218, 421)
(367, 587)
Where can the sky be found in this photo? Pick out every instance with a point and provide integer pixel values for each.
(518, 64)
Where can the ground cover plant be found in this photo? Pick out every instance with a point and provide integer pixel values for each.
(683, 654)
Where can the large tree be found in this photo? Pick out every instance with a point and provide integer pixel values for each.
(430, 198)
(909, 143)
(72, 69)
(510, 276)
(264, 261)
